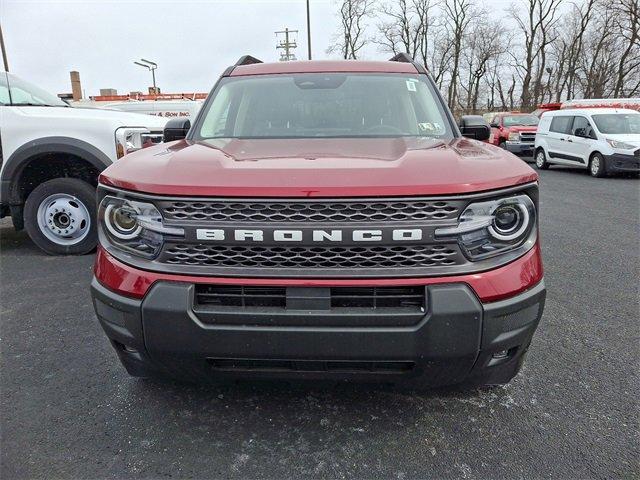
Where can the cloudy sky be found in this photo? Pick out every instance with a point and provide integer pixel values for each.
(192, 41)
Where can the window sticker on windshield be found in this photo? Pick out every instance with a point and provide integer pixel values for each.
(411, 86)
(431, 128)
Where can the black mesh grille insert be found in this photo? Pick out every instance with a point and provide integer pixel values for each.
(377, 297)
(402, 297)
(240, 296)
(248, 256)
(379, 211)
(528, 136)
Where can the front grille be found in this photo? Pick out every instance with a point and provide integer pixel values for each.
(527, 137)
(310, 212)
(305, 257)
(251, 297)
(237, 237)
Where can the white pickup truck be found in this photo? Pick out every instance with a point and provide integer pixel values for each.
(50, 157)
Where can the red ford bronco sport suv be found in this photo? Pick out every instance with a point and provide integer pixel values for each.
(321, 219)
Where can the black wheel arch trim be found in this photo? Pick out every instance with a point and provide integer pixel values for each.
(16, 163)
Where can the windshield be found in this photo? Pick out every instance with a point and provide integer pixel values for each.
(324, 105)
(618, 123)
(25, 93)
(520, 121)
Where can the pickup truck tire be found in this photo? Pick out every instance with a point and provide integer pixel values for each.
(60, 216)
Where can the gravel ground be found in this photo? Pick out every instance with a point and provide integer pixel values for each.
(68, 409)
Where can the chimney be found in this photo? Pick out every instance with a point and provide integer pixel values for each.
(75, 86)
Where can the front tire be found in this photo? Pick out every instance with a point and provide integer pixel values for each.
(60, 216)
(541, 160)
(597, 167)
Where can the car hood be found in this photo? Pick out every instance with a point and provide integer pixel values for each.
(113, 117)
(630, 138)
(318, 168)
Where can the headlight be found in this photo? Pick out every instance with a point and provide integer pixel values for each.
(494, 227)
(134, 227)
(619, 144)
(130, 139)
(514, 137)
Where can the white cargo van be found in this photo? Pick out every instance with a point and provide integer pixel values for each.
(604, 140)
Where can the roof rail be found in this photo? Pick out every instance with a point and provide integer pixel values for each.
(404, 57)
(247, 60)
(243, 60)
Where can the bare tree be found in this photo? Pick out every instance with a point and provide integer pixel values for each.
(628, 23)
(457, 14)
(351, 38)
(551, 50)
(536, 28)
(405, 27)
(597, 62)
(439, 63)
(574, 46)
(486, 42)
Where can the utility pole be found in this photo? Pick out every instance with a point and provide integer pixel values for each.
(151, 66)
(287, 45)
(4, 51)
(308, 30)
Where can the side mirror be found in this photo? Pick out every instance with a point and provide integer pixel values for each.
(176, 129)
(580, 132)
(495, 125)
(474, 126)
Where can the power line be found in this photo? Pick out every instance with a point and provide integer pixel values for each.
(287, 45)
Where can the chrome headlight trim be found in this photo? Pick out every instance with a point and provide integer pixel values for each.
(480, 237)
(146, 238)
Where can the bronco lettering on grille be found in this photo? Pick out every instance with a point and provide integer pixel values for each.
(310, 236)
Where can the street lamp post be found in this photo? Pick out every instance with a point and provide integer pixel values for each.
(151, 66)
(308, 30)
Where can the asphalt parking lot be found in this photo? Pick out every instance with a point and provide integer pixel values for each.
(69, 410)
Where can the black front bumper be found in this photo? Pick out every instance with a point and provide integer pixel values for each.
(520, 148)
(622, 163)
(457, 339)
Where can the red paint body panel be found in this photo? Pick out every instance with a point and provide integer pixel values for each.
(323, 66)
(490, 286)
(321, 167)
(338, 167)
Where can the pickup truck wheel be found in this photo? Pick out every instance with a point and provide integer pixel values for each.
(503, 145)
(60, 216)
(597, 166)
(541, 160)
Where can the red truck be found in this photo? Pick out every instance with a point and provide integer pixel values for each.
(515, 132)
(321, 219)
